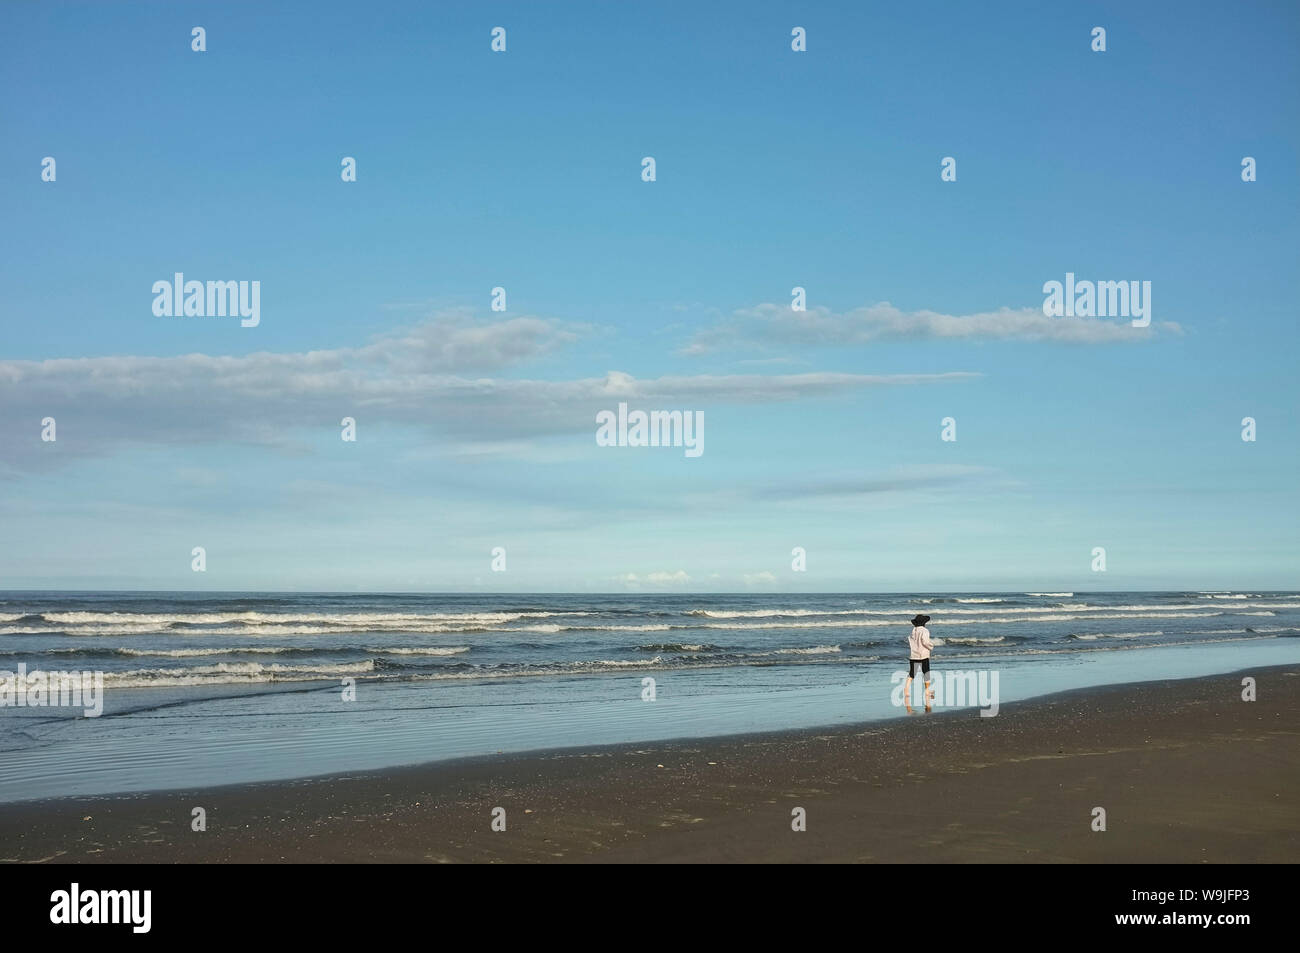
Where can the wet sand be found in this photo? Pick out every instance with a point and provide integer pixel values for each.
(1186, 771)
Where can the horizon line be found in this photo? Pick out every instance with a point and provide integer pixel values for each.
(468, 592)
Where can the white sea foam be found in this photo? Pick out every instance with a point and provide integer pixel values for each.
(770, 613)
(654, 627)
(1239, 630)
(356, 619)
(422, 650)
(256, 632)
(1092, 636)
(543, 671)
(979, 620)
(259, 624)
(1122, 647)
(275, 650)
(231, 673)
(903, 612)
(116, 629)
(991, 616)
(196, 653)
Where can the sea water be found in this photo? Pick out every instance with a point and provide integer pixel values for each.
(204, 688)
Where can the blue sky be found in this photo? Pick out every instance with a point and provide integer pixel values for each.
(775, 169)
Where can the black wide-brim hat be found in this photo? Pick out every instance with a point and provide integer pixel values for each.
(921, 620)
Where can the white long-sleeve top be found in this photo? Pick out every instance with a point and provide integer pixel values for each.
(919, 643)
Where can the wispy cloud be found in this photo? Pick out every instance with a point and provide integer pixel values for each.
(780, 324)
(453, 341)
(415, 377)
(899, 479)
(659, 578)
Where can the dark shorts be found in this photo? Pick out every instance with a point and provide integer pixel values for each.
(913, 663)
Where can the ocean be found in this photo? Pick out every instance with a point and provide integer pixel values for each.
(206, 688)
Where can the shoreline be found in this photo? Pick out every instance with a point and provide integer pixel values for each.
(1186, 771)
(155, 740)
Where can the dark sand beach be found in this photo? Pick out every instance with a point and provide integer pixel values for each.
(1186, 771)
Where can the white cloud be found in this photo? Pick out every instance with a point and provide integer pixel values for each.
(413, 378)
(658, 578)
(453, 341)
(780, 324)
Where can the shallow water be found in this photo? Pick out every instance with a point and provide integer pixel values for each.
(192, 702)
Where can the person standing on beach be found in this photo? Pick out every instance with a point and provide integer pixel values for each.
(919, 645)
